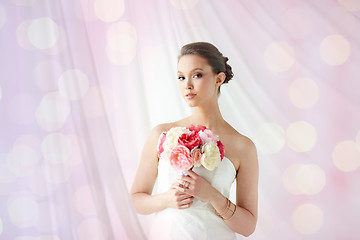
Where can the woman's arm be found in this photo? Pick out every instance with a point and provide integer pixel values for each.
(144, 181)
(244, 219)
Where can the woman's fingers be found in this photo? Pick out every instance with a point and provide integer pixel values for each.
(185, 203)
(191, 173)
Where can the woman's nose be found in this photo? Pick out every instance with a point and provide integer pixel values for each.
(189, 85)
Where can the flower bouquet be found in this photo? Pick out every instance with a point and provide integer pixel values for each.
(188, 147)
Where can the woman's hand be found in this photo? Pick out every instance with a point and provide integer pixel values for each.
(196, 186)
(178, 199)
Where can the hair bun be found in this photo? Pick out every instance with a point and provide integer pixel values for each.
(228, 72)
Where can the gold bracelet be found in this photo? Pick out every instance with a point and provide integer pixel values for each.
(226, 208)
(232, 214)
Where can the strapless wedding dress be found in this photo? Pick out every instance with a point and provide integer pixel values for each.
(199, 222)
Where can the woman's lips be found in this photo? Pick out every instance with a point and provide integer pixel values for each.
(190, 96)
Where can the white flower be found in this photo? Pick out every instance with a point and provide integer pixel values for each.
(210, 158)
(171, 140)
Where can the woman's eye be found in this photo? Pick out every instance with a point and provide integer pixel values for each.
(198, 75)
(181, 78)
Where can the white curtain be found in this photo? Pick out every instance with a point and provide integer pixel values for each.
(82, 82)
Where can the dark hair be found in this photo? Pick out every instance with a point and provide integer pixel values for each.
(215, 58)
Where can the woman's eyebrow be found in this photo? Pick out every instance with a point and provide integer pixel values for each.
(193, 70)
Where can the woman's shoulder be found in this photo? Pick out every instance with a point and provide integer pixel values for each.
(243, 141)
(164, 127)
(240, 144)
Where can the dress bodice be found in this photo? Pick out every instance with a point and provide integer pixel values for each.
(199, 221)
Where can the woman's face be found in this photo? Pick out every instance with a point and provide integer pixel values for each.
(197, 82)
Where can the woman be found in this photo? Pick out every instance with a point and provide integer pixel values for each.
(195, 205)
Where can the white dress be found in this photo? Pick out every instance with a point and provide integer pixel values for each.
(199, 222)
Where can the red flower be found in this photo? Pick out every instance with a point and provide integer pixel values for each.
(221, 149)
(161, 141)
(190, 140)
(197, 128)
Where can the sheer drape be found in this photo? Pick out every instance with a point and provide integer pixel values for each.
(82, 83)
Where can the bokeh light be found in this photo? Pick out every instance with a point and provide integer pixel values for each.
(303, 93)
(60, 45)
(350, 5)
(23, 160)
(279, 56)
(184, 4)
(56, 148)
(307, 219)
(23, 210)
(346, 156)
(109, 10)
(269, 138)
(358, 138)
(289, 179)
(52, 111)
(43, 33)
(73, 84)
(310, 179)
(301, 136)
(121, 43)
(335, 50)
(92, 229)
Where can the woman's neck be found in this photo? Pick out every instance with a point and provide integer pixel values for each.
(209, 116)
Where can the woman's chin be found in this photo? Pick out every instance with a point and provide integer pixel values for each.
(191, 104)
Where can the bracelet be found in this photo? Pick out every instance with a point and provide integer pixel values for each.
(232, 214)
(228, 208)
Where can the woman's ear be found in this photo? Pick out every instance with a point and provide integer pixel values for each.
(220, 78)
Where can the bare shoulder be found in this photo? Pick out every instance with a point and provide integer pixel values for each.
(241, 148)
(163, 127)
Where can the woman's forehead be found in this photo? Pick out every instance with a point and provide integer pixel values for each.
(192, 62)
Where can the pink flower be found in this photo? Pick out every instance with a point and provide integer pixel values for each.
(196, 156)
(160, 147)
(207, 136)
(221, 149)
(197, 128)
(180, 158)
(190, 140)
